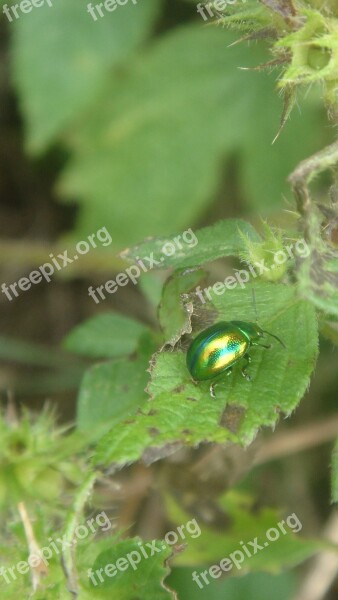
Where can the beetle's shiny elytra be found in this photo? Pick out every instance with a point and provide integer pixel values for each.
(216, 349)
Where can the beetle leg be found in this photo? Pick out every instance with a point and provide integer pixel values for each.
(267, 346)
(213, 385)
(212, 390)
(244, 371)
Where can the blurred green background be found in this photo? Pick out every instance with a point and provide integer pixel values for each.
(143, 122)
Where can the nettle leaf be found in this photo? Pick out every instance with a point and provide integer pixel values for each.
(145, 580)
(182, 412)
(113, 390)
(151, 285)
(82, 52)
(108, 392)
(107, 335)
(246, 524)
(186, 89)
(225, 238)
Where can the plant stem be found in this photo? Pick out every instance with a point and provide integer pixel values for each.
(68, 555)
(26, 255)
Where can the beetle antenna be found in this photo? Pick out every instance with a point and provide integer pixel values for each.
(255, 307)
(275, 336)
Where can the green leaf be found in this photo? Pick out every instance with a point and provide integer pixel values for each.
(175, 310)
(107, 335)
(206, 244)
(145, 580)
(187, 90)
(63, 71)
(181, 412)
(110, 392)
(151, 287)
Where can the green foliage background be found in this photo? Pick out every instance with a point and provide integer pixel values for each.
(149, 122)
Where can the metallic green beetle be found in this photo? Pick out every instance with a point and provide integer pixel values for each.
(216, 349)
